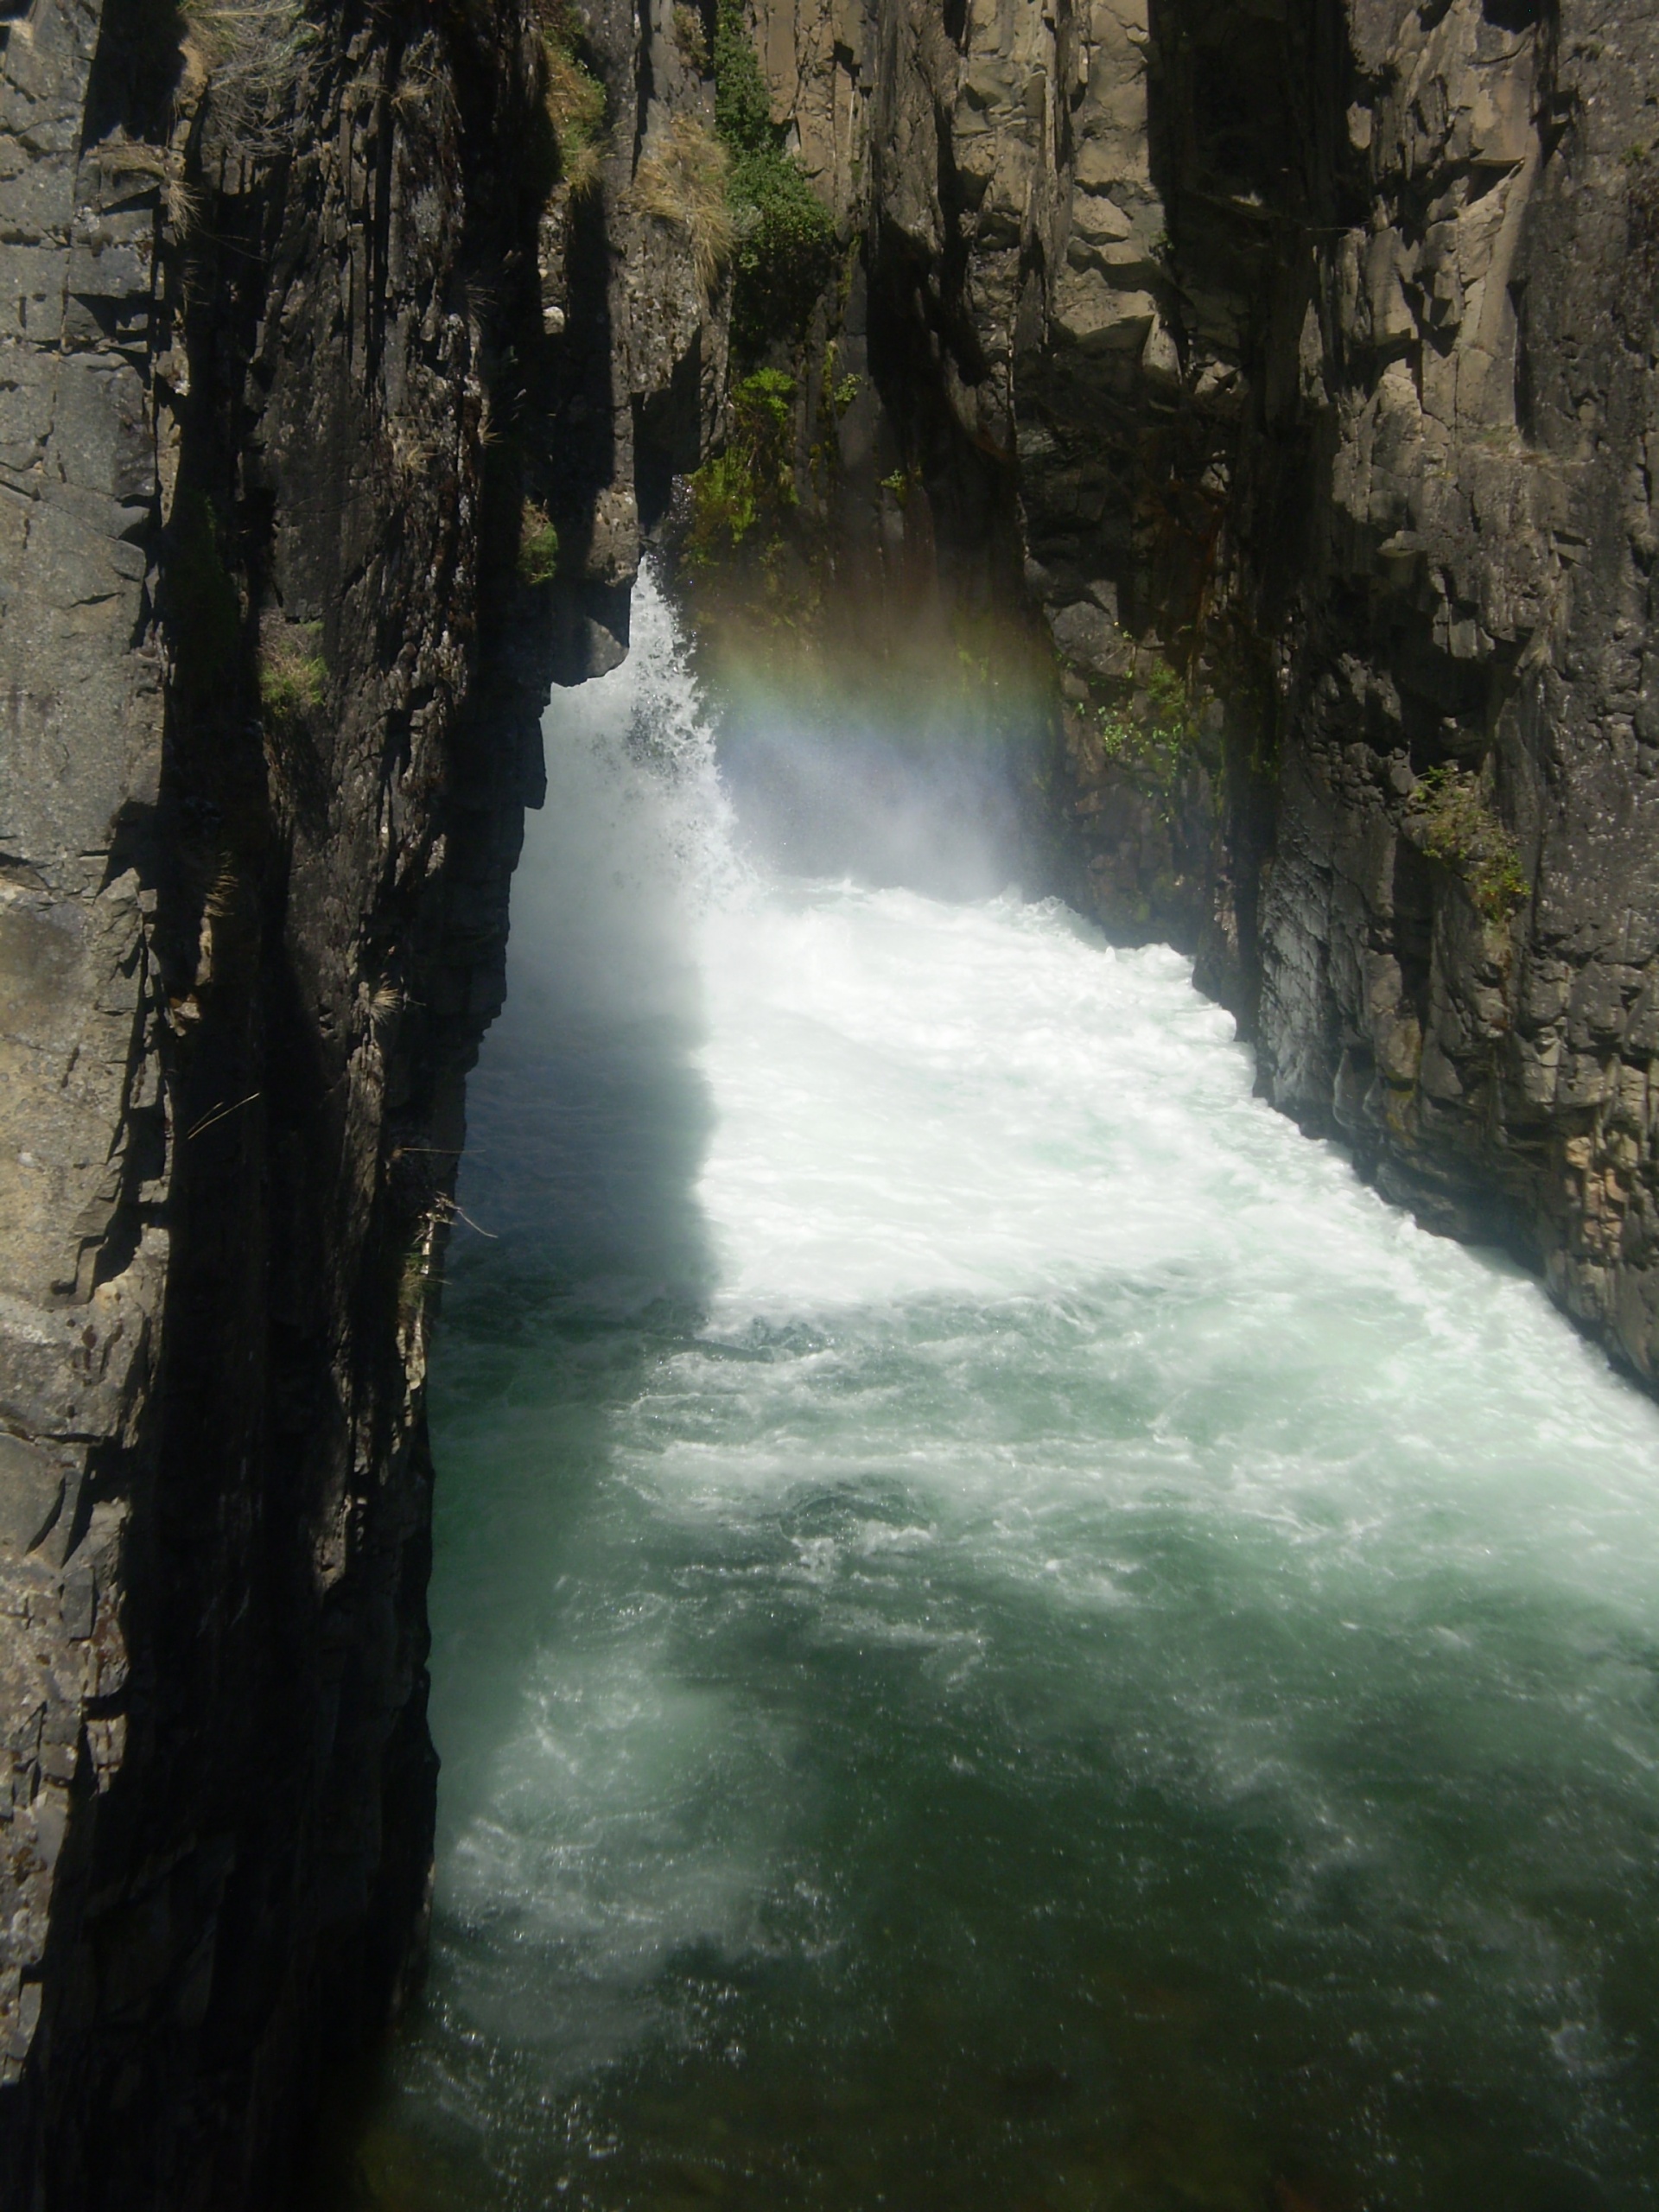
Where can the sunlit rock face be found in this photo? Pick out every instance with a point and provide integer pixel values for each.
(1301, 359)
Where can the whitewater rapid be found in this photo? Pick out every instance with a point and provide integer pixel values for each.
(1005, 1632)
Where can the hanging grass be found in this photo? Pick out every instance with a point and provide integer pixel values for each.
(248, 53)
(574, 100)
(684, 180)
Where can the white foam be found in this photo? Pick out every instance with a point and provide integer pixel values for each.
(1026, 1302)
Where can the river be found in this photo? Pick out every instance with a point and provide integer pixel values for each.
(1007, 1635)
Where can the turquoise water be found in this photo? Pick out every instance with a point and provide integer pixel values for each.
(1006, 1634)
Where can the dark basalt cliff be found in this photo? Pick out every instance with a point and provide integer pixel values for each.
(1280, 371)
(263, 767)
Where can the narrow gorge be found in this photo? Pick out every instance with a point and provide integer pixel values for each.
(986, 1584)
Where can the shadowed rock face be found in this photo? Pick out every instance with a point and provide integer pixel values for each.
(261, 781)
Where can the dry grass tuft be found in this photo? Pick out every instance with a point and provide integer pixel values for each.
(132, 157)
(248, 55)
(576, 108)
(683, 180)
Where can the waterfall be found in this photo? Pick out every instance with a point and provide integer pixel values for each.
(1005, 1632)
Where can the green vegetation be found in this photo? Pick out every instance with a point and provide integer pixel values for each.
(1642, 190)
(836, 395)
(753, 479)
(1155, 737)
(683, 178)
(293, 675)
(417, 1274)
(574, 100)
(1451, 821)
(539, 547)
(785, 235)
(839, 391)
(742, 111)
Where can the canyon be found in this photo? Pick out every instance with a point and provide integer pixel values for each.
(1270, 382)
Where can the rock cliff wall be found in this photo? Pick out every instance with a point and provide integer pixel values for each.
(1303, 354)
(261, 770)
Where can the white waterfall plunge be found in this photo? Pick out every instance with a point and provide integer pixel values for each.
(1006, 1634)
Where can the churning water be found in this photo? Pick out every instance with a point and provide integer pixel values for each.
(1006, 1636)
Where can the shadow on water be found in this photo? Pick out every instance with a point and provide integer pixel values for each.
(590, 1261)
(581, 1256)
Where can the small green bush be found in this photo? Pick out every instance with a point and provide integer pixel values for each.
(1156, 746)
(1449, 819)
(785, 235)
(539, 547)
(753, 479)
(293, 675)
(742, 111)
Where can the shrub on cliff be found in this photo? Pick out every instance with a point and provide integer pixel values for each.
(1153, 736)
(539, 547)
(293, 675)
(690, 38)
(1447, 816)
(752, 482)
(785, 235)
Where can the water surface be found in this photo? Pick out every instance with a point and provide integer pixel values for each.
(1006, 1636)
